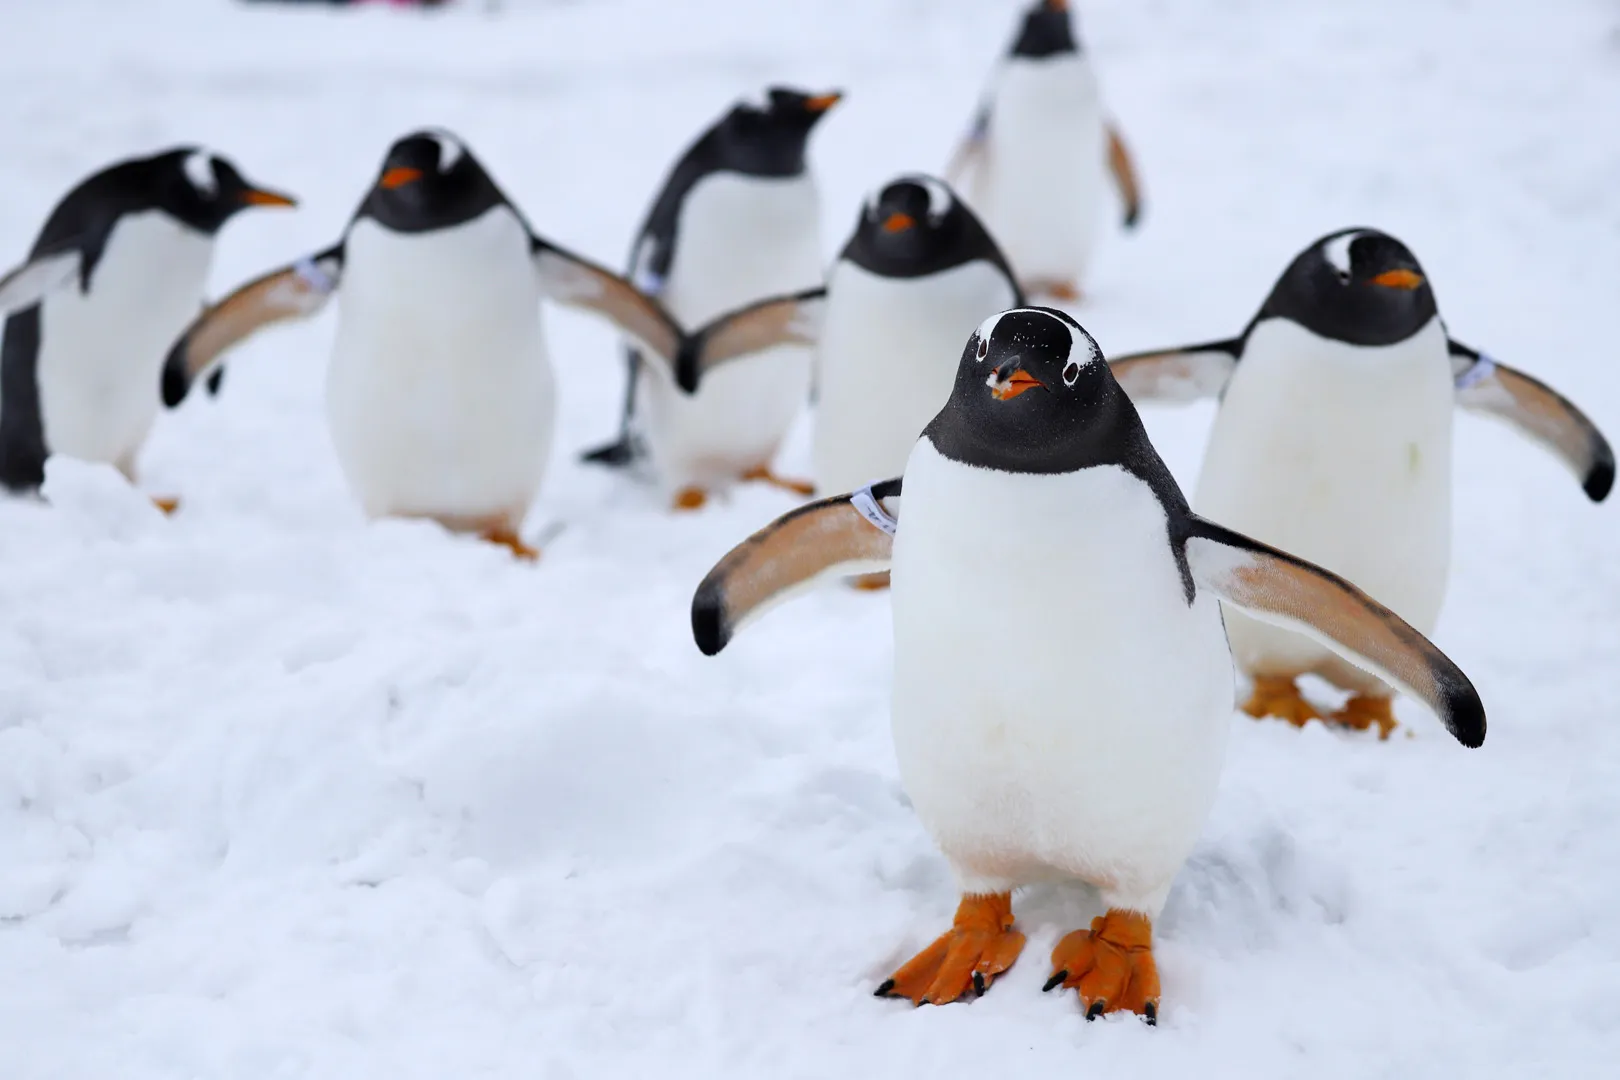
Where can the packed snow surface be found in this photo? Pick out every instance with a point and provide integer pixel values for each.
(284, 793)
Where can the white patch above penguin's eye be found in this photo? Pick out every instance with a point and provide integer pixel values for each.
(1336, 251)
(450, 150)
(199, 166)
(984, 331)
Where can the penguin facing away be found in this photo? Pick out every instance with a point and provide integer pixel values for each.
(917, 274)
(1333, 439)
(738, 219)
(440, 394)
(1032, 164)
(1062, 685)
(118, 269)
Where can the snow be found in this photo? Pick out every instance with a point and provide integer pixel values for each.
(286, 794)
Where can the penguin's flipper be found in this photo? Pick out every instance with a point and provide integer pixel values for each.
(1130, 189)
(569, 279)
(1278, 588)
(1177, 376)
(839, 537)
(297, 291)
(782, 320)
(1541, 413)
(29, 283)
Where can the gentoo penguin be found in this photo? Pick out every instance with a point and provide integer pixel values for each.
(1333, 439)
(1062, 686)
(79, 365)
(439, 394)
(738, 219)
(1032, 165)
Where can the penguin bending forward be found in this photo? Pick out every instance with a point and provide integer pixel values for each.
(118, 269)
(738, 219)
(1062, 684)
(1032, 165)
(1333, 440)
(440, 394)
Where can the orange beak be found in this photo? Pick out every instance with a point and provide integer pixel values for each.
(1057, 5)
(898, 222)
(1398, 279)
(1018, 382)
(823, 102)
(398, 177)
(260, 197)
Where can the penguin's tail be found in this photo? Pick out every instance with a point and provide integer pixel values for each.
(619, 454)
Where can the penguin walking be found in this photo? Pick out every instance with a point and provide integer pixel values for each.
(1062, 686)
(1333, 439)
(1032, 164)
(440, 395)
(119, 268)
(738, 219)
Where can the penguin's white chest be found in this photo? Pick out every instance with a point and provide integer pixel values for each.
(886, 361)
(101, 353)
(738, 239)
(440, 395)
(1042, 191)
(1339, 454)
(1060, 710)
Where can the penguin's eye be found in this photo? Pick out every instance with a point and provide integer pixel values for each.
(984, 348)
(1071, 372)
(1344, 277)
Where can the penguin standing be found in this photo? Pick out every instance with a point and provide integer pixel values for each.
(440, 395)
(1062, 685)
(119, 268)
(1333, 439)
(1032, 166)
(738, 219)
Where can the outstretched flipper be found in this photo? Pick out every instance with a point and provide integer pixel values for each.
(570, 279)
(839, 537)
(292, 292)
(1124, 173)
(1278, 588)
(1541, 413)
(41, 275)
(782, 320)
(1178, 375)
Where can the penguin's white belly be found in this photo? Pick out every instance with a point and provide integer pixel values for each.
(1042, 194)
(101, 353)
(440, 396)
(887, 360)
(739, 239)
(1059, 708)
(1341, 455)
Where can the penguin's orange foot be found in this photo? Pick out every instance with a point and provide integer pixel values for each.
(1057, 288)
(166, 503)
(689, 498)
(1362, 712)
(763, 473)
(1111, 965)
(1279, 696)
(509, 539)
(871, 582)
(980, 945)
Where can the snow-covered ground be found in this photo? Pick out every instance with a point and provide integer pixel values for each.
(286, 794)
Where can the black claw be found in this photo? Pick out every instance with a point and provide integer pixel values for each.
(1151, 1013)
(978, 984)
(1056, 980)
(884, 988)
(1096, 1009)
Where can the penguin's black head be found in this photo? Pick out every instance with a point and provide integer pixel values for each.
(1033, 394)
(1048, 30)
(203, 189)
(916, 226)
(767, 138)
(1359, 286)
(429, 180)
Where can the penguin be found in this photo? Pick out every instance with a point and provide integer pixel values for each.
(440, 395)
(1062, 686)
(1333, 439)
(738, 219)
(1032, 163)
(119, 268)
